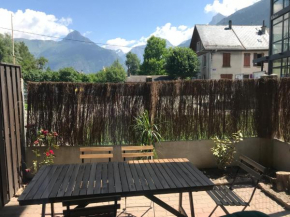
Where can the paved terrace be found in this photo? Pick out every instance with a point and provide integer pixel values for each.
(202, 202)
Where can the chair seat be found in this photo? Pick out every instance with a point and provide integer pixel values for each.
(222, 195)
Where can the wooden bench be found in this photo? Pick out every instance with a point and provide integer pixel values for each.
(137, 151)
(97, 211)
(97, 155)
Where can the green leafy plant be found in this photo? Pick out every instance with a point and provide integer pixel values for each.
(44, 139)
(147, 131)
(224, 149)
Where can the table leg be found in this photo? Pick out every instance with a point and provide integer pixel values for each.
(180, 202)
(191, 204)
(43, 210)
(52, 209)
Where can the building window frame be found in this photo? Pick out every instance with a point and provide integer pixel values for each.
(226, 60)
(247, 59)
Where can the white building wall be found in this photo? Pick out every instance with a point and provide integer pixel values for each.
(215, 64)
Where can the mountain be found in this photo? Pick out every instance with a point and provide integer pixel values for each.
(216, 19)
(75, 51)
(252, 15)
(139, 50)
(185, 43)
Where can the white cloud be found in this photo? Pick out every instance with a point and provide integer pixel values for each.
(175, 35)
(34, 22)
(228, 7)
(87, 33)
(119, 43)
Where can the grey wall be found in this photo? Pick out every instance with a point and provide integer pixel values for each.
(281, 155)
(264, 151)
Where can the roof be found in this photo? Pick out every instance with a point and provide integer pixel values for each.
(142, 78)
(236, 38)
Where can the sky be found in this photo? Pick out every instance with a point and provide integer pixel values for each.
(120, 24)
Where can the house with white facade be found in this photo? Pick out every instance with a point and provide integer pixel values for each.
(227, 52)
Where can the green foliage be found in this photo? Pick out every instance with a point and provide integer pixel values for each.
(182, 62)
(41, 62)
(147, 131)
(225, 149)
(48, 139)
(69, 75)
(115, 73)
(133, 63)
(5, 49)
(154, 57)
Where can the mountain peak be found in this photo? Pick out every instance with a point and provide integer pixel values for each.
(216, 19)
(75, 35)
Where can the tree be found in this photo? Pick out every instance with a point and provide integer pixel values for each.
(25, 59)
(69, 75)
(115, 73)
(182, 62)
(5, 49)
(154, 57)
(41, 62)
(133, 63)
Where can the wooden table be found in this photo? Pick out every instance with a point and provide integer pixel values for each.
(56, 183)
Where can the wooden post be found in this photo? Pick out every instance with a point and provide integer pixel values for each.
(283, 181)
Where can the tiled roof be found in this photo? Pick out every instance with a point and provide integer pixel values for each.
(236, 38)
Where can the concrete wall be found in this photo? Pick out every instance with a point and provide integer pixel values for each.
(281, 155)
(198, 152)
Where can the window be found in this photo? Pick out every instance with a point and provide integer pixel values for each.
(198, 46)
(204, 60)
(247, 60)
(226, 60)
(257, 56)
(227, 76)
(278, 6)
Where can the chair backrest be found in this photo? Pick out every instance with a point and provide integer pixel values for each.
(94, 153)
(137, 151)
(252, 168)
(82, 210)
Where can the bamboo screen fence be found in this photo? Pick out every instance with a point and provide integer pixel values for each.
(95, 114)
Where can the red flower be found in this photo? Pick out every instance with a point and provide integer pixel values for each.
(47, 154)
(36, 142)
(55, 134)
(45, 132)
(51, 152)
(27, 170)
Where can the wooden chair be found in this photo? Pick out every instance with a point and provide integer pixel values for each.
(137, 152)
(225, 196)
(97, 155)
(96, 211)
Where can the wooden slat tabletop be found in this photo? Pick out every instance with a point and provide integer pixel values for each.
(56, 183)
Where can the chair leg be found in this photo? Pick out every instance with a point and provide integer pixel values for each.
(245, 208)
(213, 211)
(225, 210)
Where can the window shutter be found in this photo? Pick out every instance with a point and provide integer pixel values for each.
(227, 76)
(226, 60)
(247, 59)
